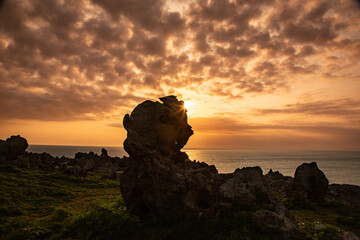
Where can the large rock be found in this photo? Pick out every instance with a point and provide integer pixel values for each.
(157, 128)
(160, 180)
(13, 147)
(310, 183)
(277, 182)
(248, 186)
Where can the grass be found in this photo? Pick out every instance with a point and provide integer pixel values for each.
(335, 217)
(36, 204)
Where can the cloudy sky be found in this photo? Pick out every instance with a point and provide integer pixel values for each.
(256, 74)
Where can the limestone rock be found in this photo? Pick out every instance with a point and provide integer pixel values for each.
(248, 186)
(104, 153)
(310, 183)
(160, 180)
(277, 182)
(13, 147)
(155, 128)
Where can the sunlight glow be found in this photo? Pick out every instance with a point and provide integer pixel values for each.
(188, 104)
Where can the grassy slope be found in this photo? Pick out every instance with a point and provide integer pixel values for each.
(36, 204)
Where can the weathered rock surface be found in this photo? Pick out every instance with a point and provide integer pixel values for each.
(310, 183)
(248, 186)
(346, 193)
(277, 182)
(12, 147)
(161, 182)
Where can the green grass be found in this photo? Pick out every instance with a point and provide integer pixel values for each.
(336, 217)
(36, 204)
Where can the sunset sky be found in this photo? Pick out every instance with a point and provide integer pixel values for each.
(257, 74)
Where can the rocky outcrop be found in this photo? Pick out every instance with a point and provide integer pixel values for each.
(349, 194)
(162, 183)
(310, 183)
(12, 147)
(160, 180)
(277, 182)
(248, 186)
(13, 151)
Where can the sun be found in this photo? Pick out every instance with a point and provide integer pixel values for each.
(188, 105)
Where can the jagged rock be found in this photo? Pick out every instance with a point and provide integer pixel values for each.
(244, 184)
(248, 186)
(277, 182)
(160, 181)
(104, 153)
(13, 147)
(157, 128)
(350, 194)
(310, 183)
(276, 224)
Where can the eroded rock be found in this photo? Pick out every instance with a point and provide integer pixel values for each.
(13, 147)
(310, 183)
(160, 180)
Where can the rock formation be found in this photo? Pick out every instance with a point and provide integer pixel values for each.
(13, 147)
(310, 183)
(160, 180)
(162, 183)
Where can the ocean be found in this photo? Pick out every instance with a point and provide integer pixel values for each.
(341, 167)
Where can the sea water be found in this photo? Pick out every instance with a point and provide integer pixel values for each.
(341, 167)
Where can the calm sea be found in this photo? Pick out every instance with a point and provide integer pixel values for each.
(339, 166)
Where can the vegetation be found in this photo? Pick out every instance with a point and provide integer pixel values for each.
(325, 221)
(36, 204)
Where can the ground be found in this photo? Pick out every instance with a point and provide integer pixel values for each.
(36, 204)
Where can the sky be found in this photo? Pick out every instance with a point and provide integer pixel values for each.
(255, 74)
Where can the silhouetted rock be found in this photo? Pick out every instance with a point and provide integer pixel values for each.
(277, 182)
(161, 181)
(310, 183)
(12, 147)
(155, 128)
(104, 153)
(248, 186)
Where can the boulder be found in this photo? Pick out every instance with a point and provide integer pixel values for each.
(13, 147)
(309, 183)
(104, 153)
(160, 181)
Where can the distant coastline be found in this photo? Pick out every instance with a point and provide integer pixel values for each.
(342, 167)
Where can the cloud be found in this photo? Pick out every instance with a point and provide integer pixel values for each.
(336, 107)
(75, 59)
